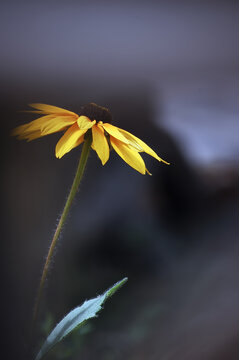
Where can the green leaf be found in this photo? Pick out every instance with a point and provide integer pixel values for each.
(76, 318)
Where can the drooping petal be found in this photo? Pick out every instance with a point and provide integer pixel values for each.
(149, 173)
(72, 138)
(32, 136)
(33, 111)
(113, 131)
(50, 109)
(42, 126)
(131, 157)
(100, 144)
(79, 141)
(23, 131)
(133, 139)
(56, 124)
(85, 123)
(19, 130)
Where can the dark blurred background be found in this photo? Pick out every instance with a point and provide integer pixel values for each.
(169, 72)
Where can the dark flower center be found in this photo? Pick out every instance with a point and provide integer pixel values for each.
(96, 112)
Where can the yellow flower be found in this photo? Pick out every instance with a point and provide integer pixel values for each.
(93, 119)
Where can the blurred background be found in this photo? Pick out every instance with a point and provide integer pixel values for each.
(169, 72)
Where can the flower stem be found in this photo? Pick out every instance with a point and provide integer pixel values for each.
(73, 191)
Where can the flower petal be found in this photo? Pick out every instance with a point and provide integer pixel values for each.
(79, 141)
(56, 124)
(72, 138)
(149, 173)
(131, 157)
(141, 144)
(50, 109)
(132, 140)
(42, 126)
(113, 131)
(100, 144)
(85, 123)
(23, 131)
(34, 135)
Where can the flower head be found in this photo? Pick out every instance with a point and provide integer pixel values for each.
(93, 120)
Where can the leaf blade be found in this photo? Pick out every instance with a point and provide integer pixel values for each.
(76, 318)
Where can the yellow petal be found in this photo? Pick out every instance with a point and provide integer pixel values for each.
(72, 138)
(56, 124)
(85, 123)
(23, 131)
(34, 135)
(19, 130)
(33, 111)
(100, 143)
(131, 157)
(29, 137)
(133, 139)
(149, 173)
(79, 141)
(113, 131)
(50, 109)
(42, 126)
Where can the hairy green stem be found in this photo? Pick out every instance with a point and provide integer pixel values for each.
(73, 191)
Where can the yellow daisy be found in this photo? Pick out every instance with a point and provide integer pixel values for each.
(95, 121)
